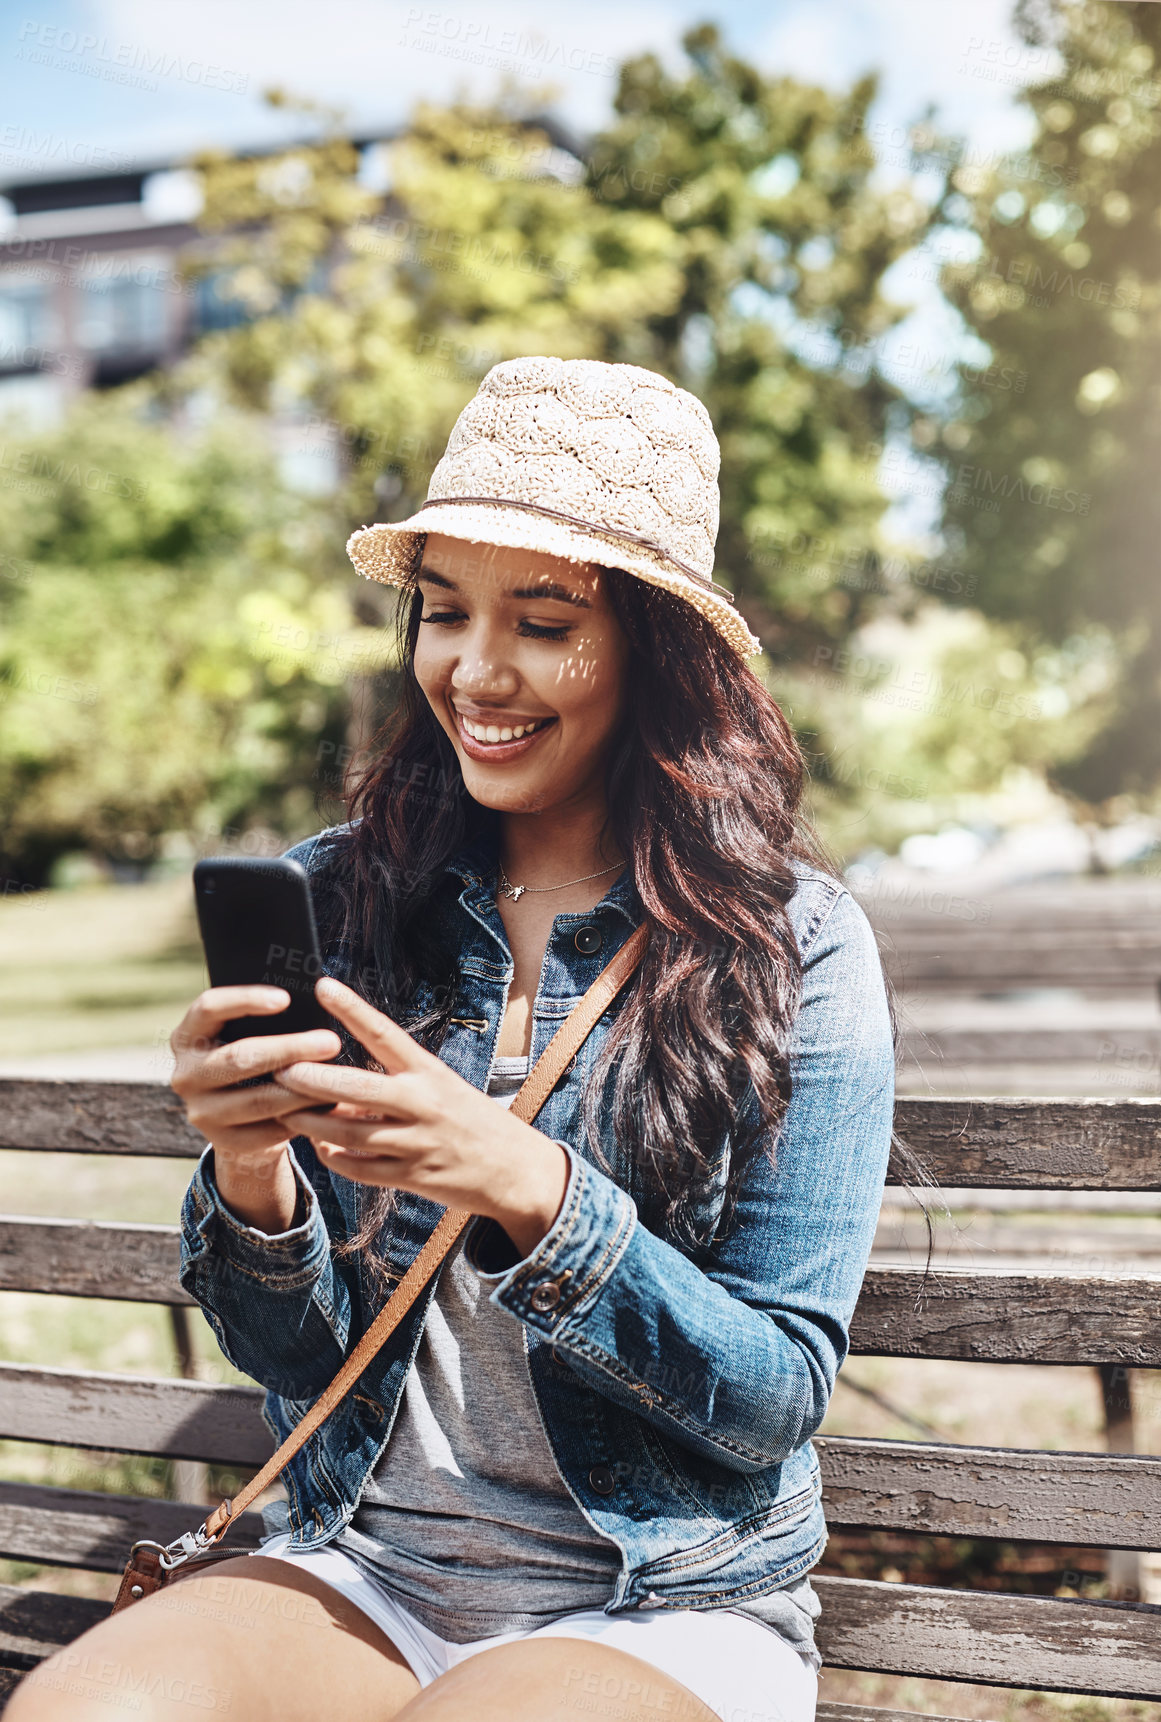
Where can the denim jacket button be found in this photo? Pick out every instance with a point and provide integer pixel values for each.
(545, 1296)
(602, 1480)
(588, 940)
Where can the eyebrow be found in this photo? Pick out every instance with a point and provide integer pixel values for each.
(553, 590)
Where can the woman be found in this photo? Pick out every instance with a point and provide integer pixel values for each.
(579, 1476)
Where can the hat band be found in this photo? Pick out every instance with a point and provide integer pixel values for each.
(639, 538)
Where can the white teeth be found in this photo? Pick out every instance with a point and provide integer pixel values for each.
(494, 733)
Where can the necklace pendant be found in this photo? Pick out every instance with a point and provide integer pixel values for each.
(513, 891)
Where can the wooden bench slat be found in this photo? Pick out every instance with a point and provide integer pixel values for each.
(83, 1528)
(1018, 1144)
(91, 1258)
(1050, 1644)
(1091, 1500)
(34, 1623)
(977, 1314)
(1088, 1499)
(1004, 966)
(95, 1118)
(871, 1713)
(984, 1317)
(1033, 1144)
(134, 1414)
(1135, 1047)
(1109, 960)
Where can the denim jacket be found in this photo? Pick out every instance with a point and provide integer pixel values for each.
(679, 1395)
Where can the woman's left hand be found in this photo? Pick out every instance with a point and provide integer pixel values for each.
(423, 1128)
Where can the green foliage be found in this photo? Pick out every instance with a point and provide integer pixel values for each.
(479, 254)
(1054, 502)
(724, 220)
(174, 638)
(783, 243)
(941, 716)
(726, 229)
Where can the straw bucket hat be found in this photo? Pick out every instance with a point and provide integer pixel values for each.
(599, 463)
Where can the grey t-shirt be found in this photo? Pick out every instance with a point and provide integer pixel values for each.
(465, 1516)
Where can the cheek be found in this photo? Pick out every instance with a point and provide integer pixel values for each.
(432, 669)
(590, 691)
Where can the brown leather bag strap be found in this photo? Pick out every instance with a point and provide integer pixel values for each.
(530, 1097)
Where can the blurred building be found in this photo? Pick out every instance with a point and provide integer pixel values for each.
(92, 292)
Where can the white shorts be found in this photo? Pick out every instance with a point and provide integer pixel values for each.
(741, 1669)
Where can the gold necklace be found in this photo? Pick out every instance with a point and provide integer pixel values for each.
(517, 891)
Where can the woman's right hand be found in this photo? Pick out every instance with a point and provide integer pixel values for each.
(254, 1175)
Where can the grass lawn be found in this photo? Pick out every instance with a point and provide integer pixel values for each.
(97, 966)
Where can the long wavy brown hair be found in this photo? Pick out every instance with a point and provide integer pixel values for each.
(704, 782)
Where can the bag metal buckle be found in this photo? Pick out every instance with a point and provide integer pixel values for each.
(171, 1555)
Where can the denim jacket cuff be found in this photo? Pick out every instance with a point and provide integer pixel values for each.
(273, 1256)
(570, 1266)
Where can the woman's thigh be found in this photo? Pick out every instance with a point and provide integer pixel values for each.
(554, 1680)
(255, 1639)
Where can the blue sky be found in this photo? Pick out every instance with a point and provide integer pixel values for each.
(106, 82)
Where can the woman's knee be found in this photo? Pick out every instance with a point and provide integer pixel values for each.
(253, 1638)
(169, 1654)
(554, 1680)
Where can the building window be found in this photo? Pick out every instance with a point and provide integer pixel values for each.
(27, 325)
(125, 304)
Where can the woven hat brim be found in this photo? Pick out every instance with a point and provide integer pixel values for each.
(387, 552)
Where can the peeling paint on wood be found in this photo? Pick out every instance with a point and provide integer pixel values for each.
(1110, 1649)
(81, 1528)
(134, 1414)
(1009, 1318)
(1091, 1500)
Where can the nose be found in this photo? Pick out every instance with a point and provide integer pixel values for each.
(481, 669)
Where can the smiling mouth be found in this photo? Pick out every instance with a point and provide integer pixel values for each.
(499, 734)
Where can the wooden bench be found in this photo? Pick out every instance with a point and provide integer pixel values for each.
(1090, 1500)
(938, 936)
(1039, 988)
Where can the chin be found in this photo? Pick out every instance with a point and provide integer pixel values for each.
(511, 798)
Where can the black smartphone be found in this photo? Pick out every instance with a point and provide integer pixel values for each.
(257, 924)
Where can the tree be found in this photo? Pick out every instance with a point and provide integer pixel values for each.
(723, 230)
(173, 653)
(783, 243)
(1053, 503)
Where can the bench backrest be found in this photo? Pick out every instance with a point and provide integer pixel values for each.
(1099, 935)
(1078, 1499)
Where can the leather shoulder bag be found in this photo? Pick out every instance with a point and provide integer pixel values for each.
(151, 1565)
